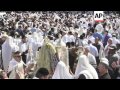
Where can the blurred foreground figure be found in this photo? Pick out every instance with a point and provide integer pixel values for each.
(42, 73)
(7, 49)
(103, 69)
(62, 71)
(84, 69)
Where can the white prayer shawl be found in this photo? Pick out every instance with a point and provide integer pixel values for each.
(93, 50)
(62, 51)
(115, 40)
(18, 69)
(101, 51)
(87, 74)
(70, 38)
(12, 64)
(15, 48)
(83, 64)
(33, 47)
(58, 42)
(17, 41)
(62, 71)
(91, 59)
(7, 49)
(64, 38)
(23, 47)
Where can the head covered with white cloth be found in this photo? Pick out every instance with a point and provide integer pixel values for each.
(7, 49)
(84, 67)
(61, 71)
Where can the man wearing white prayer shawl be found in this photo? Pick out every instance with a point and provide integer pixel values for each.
(85, 68)
(7, 49)
(13, 64)
(62, 71)
(18, 67)
(91, 58)
(62, 52)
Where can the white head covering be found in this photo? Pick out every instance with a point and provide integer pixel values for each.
(61, 72)
(83, 64)
(105, 61)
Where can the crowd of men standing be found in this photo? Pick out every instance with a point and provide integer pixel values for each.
(93, 47)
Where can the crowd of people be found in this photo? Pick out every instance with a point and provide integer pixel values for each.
(59, 45)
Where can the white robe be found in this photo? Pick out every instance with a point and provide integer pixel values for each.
(91, 59)
(83, 64)
(64, 38)
(12, 64)
(17, 41)
(93, 50)
(70, 38)
(23, 47)
(62, 71)
(7, 49)
(87, 74)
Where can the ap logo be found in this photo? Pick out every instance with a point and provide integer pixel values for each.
(98, 16)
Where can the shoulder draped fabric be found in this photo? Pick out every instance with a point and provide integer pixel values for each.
(62, 71)
(46, 56)
(7, 48)
(87, 74)
(18, 69)
(83, 64)
(62, 52)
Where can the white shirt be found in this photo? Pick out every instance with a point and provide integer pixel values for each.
(93, 50)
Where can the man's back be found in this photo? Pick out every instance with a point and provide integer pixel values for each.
(93, 50)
